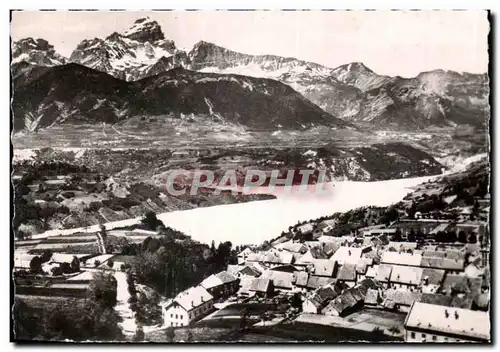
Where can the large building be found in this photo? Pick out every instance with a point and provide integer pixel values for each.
(221, 285)
(434, 323)
(189, 305)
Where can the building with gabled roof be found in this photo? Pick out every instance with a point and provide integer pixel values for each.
(408, 277)
(221, 285)
(187, 306)
(448, 253)
(320, 298)
(362, 268)
(347, 274)
(372, 297)
(383, 274)
(315, 282)
(243, 255)
(371, 272)
(432, 280)
(323, 267)
(301, 278)
(344, 254)
(453, 266)
(295, 247)
(261, 286)
(280, 279)
(401, 258)
(400, 299)
(434, 323)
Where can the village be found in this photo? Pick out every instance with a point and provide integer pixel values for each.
(376, 281)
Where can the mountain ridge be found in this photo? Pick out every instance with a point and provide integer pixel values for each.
(78, 94)
(352, 92)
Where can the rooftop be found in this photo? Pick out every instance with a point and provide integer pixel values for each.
(401, 258)
(457, 321)
(346, 254)
(191, 298)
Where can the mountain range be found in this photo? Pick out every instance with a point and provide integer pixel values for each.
(139, 71)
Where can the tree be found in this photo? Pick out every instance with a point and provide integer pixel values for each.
(419, 236)
(170, 334)
(103, 290)
(296, 301)
(139, 334)
(397, 235)
(75, 265)
(412, 210)
(36, 265)
(150, 221)
(189, 337)
(451, 236)
(245, 315)
(462, 236)
(475, 208)
(110, 263)
(412, 237)
(102, 231)
(46, 255)
(472, 238)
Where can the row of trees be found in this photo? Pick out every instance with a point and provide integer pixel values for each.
(170, 267)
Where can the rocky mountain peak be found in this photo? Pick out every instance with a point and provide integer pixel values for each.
(145, 30)
(36, 51)
(203, 48)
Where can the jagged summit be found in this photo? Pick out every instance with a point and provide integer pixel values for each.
(36, 52)
(145, 30)
(131, 55)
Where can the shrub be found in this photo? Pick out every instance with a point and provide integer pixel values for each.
(68, 194)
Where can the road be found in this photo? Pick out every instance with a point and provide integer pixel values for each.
(128, 325)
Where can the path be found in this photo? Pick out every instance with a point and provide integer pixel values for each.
(128, 325)
(126, 134)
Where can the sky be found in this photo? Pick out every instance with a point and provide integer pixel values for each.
(402, 43)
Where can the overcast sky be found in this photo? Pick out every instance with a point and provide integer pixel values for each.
(389, 42)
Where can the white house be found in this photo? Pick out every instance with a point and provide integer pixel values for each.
(243, 255)
(189, 305)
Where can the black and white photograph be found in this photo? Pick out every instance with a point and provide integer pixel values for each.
(250, 176)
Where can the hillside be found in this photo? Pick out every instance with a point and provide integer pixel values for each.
(59, 195)
(76, 94)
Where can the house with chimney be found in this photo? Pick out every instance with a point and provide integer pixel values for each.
(405, 277)
(188, 306)
(435, 323)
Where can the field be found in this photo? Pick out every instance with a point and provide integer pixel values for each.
(46, 303)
